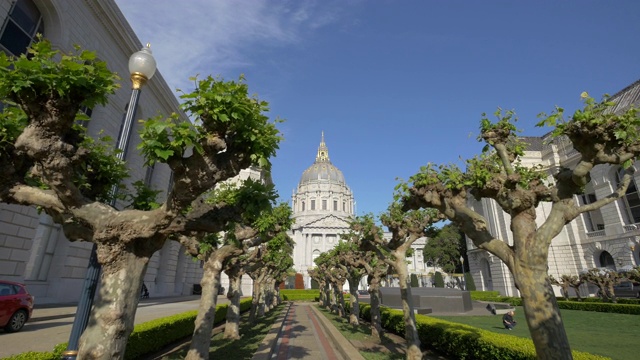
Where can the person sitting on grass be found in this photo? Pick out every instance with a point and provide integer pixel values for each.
(508, 321)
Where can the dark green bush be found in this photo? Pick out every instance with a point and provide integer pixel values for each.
(414, 280)
(438, 280)
(468, 282)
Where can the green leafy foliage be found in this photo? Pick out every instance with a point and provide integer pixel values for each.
(597, 123)
(101, 169)
(224, 111)
(444, 247)
(162, 139)
(12, 121)
(67, 77)
(144, 197)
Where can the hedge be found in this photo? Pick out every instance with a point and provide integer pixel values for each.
(300, 295)
(461, 341)
(624, 306)
(147, 337)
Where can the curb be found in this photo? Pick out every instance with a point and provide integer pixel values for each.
(268, 344)
(344, 346)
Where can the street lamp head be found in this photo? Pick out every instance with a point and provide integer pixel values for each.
(632, 245)
(462, 259)
(142, 66)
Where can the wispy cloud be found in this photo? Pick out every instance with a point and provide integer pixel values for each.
(216, 37)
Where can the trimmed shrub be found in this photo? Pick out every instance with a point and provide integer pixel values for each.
(469, 283)
(462, 341)
(154, 335)
(300, 295)
(149, 336)
(438, 280)
(414, 280)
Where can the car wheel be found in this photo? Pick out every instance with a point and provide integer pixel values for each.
(17, 321)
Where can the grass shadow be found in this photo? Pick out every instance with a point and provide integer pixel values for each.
(251, 336)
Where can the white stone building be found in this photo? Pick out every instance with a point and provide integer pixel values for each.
(323, 205)
(33, 250)
(607, 237)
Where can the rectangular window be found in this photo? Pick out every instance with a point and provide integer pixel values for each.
(335, 205)
(324, 204)
(313, 204)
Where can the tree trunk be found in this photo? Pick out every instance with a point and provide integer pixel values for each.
(542, 313)
(355, 305)
(376, 321)
(201, 339)
(262, 300)
(255, 299)
(410, 328)
(326, 295)
(113, 314)
(232, 327)
(338, 300)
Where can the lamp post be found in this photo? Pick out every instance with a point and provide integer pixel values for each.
(142, 66)
(463, 280)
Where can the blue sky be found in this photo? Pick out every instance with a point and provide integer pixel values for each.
(394, 84)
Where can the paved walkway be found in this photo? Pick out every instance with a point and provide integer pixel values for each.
(302, 332)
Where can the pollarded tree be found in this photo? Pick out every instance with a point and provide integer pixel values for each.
(348, 254)
(336, 277)
(49, 162)
(268, 265)
(317, 274)
(272, 223)
(406, 227)
(359, 228)
(566, 282)
(245, 218)
(597, 134)
(605, 279)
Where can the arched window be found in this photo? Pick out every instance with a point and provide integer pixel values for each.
(606, 261)
(631, 200)
(315, 255)
(303, 206)
(20, 27)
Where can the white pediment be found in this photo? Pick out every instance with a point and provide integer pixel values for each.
(325, 222)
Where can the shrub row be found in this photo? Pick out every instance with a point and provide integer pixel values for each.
(300, 295)
(155, 334)
(461, 341)
(624, 306)
(149, 336)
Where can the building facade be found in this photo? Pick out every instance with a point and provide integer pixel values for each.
(33, 249)
(322, 205)
(607, 237)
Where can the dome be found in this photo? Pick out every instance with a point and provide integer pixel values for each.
(322, 169)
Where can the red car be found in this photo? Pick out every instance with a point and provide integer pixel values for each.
(16, 305)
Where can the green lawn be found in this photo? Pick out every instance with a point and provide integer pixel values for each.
(361, 333)
(245, 348)
(612, 335)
